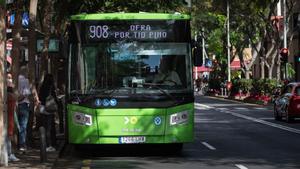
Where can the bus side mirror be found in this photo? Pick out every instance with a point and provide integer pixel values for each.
(197, 56)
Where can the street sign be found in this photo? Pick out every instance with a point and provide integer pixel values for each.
(53, 45)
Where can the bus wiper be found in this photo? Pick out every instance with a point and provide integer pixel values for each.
(99, 93)
(156, 86)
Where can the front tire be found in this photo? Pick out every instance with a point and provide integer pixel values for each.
(288, 118)
(276, 114)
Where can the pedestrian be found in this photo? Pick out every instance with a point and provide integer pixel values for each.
(198, 84)
(11, 110)
(47, 114)
(23, 106)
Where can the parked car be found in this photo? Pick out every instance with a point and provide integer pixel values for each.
(287, 104)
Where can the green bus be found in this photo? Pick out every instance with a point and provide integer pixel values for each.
(129, 79)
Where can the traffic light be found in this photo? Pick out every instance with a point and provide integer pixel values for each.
(284, 53)
(297, 59)
(197, 54)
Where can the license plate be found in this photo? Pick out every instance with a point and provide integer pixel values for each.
(132, 140)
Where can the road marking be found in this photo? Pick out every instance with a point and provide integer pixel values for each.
(282, 127)
(241, 166)
(202, 105)
(197, 120)
(240, 108)
(222, 108)
(208, 146)
(266, 118)
(260, 108)
(293, 130)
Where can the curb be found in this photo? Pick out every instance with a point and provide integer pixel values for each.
(240, 101)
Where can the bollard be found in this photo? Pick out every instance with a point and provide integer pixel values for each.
(222, 91)
(43, 145)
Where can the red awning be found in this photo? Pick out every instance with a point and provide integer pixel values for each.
(235, 65)
(202, 69)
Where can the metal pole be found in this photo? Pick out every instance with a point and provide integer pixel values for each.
(43, 145)
(285, 36)
(196, 70)
(228, 44)
(203, 46)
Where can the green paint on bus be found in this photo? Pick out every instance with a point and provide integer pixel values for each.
(110, 125)
(130, 16)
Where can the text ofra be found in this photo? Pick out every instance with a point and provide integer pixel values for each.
(140, 27)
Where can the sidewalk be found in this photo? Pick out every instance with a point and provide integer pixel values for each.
(31, 158)
(270, 105)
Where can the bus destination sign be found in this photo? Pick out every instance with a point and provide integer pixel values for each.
(155, 30)
(103, 32)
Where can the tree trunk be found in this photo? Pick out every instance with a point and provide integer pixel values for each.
(3, 114)
(47, 32)
(247, 74)
(262, 68)
(32, 40)
(16, 35)
(278, 71)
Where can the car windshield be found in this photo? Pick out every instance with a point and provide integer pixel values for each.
(130, 68)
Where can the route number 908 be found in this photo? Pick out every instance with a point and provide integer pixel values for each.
(98, 31)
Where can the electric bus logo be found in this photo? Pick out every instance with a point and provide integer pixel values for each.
(131, 120)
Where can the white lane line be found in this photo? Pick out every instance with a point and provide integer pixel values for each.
(208, 146)
(202, 105)
(282, 127)
(241, 108)
(241, 166)
(264, 122)
(260, 108)
(211, 121)
(266, 118)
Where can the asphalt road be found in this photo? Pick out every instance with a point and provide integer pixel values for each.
(228, 135)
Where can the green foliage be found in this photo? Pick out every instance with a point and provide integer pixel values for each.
(245, 85)
(215, 83)
(93, 6)
(258, 85)
(265, 86)
(290, 71)
(2, 2)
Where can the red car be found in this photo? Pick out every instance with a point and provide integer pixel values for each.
(288, 103)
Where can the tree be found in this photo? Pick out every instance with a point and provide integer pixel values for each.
(3, 114)
(254, 20)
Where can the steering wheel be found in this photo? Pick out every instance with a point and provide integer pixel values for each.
(172, 81)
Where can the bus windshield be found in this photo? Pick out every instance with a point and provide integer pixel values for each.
(130, 67)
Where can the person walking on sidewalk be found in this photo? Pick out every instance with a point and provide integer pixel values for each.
(23, 106)
(11, 110)
(48, 107)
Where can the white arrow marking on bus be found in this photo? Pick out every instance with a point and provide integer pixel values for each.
(126, 120)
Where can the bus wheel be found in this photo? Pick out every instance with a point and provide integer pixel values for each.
(176, 148)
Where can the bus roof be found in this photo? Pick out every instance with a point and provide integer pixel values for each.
(131, 16)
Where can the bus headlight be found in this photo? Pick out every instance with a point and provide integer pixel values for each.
(82, 119)
(179, 118)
